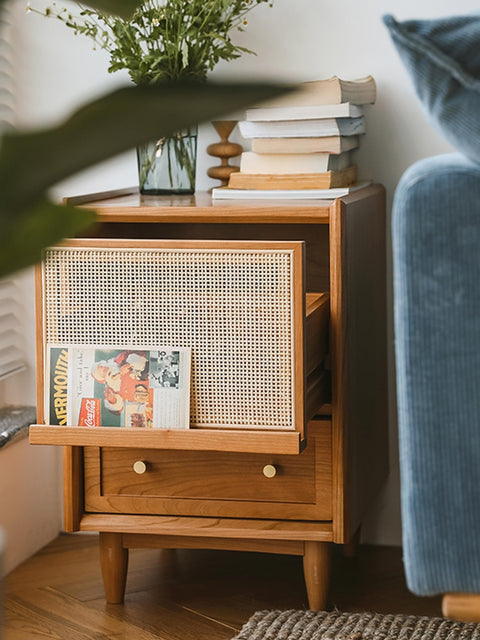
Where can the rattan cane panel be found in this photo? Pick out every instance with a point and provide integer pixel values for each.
(234, 308)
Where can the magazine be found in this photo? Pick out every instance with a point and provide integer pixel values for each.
(93, 386)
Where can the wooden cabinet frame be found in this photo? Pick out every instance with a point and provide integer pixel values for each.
(345, 259)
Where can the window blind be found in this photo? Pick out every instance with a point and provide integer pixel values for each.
(7, 85)
(12, 357)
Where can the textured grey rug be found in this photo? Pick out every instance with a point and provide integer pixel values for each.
(321, 625)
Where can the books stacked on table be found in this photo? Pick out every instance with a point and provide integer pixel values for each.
(302, 145)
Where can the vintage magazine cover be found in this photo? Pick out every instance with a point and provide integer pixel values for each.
(92, 386)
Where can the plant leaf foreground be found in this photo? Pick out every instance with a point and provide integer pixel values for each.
(32, 162)
(121, 8)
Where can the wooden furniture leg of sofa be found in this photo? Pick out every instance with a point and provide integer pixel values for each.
(464, 607)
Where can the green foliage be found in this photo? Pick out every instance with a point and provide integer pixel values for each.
(168, 46)
(165, 40)
(32, 162)
(122, 8)
(24, 236)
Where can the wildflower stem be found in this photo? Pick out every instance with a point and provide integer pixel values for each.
(164, 39)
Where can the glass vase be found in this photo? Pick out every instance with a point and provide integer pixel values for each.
(167, 165)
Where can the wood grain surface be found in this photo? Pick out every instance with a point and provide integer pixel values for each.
(187, 594)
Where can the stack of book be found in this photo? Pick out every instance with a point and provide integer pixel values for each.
(302, 144)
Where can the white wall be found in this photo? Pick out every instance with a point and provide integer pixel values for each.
(296, 40)
(30, 479)
(29, 500)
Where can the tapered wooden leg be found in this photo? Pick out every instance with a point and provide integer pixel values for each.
(464, 607)
(316, 569)
(114, 564)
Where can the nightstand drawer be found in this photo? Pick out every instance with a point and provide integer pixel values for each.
(189, 482)
(208, 475)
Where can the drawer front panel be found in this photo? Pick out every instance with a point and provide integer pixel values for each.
(213, 483)
(208, 475)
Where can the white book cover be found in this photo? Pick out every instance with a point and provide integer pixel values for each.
(326, 144)
(291, 163)
(105, 386)
(303, 128)
(307, 112)
(225, 193)
(333, 90)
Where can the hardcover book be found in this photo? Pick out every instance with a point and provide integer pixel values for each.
(324, 144)
(326, 180)
(251, 162)
(226, 193)
(303, 128)
(305, 112)
(332, 90)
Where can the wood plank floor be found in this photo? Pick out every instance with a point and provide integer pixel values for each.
(187, 594)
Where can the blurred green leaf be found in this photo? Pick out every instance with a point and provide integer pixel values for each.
(39, 227)
(122, 8)
(32, 162)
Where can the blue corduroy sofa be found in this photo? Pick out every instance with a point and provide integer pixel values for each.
(436, 266)
(436, 254)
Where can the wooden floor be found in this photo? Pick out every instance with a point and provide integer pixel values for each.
(186, 595)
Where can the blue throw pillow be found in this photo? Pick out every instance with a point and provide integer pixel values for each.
(442, 57)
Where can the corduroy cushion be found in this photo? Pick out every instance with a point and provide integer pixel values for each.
(436, 286)
(442, 57)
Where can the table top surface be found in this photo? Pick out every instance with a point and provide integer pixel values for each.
(128, 205)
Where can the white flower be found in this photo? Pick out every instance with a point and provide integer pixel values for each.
(155, 22)
(28, 8)
(184, 54)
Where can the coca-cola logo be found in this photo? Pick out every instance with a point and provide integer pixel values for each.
(90, 412)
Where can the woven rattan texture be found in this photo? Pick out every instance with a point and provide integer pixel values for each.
(319, 625)
(234, 308)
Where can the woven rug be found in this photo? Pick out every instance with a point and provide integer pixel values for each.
(321, 625)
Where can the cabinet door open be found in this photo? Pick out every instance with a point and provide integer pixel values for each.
(257, 343)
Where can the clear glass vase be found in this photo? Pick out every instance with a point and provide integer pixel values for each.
(167, 165)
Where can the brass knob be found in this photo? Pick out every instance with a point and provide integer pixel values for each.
(269, 471)
(139, 467)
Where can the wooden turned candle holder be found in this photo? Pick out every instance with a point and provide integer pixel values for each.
(223, 150)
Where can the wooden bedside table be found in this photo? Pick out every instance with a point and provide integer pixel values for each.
(293, 490)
